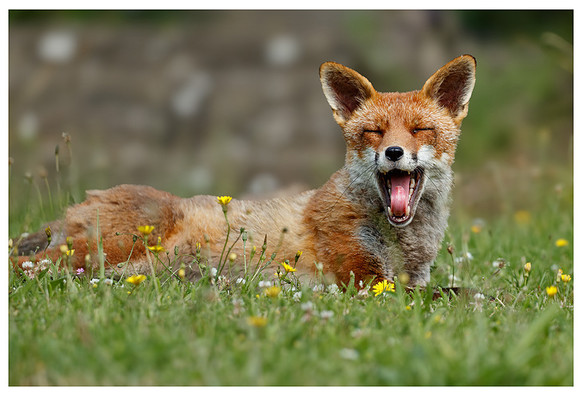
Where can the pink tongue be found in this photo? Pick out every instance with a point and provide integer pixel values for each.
(399, 195)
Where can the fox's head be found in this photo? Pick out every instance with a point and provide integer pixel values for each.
(407, 141)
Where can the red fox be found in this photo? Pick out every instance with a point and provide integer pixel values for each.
(384, 213)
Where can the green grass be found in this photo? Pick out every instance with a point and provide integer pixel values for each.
(515, 149)
(67, 331)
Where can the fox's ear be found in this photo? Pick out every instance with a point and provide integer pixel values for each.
(451, 86)
(344, 88)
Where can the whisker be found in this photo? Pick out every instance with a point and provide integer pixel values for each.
(436, 189)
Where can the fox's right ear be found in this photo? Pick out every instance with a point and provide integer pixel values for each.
(344, 88)
(451, 86)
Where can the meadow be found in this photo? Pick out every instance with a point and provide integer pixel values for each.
(509, 244)
(511, 325)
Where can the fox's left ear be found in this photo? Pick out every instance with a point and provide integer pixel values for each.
(451, 86)
(345, 90)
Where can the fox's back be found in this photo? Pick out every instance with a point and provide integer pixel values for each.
(280, 220)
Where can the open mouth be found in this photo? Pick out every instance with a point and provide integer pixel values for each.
(400, 190)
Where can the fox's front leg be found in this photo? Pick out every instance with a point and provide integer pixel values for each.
(363, 269)
(421, 276)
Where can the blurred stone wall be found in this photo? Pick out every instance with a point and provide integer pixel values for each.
(229, 102)
(205, 102)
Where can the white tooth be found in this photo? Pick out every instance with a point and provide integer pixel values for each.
(412, 183)
(407, 213)
(389, 212)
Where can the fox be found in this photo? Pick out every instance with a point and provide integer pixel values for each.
(382, 215)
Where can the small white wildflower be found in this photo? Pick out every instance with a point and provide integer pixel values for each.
(108, 282)
(479, 296)
(348, 354)
(265, 284)
(326, 314)
(357, 333)
(499, 263)
(45, 262)
(27, 265)
(94, 281)
(307, 306)
(318, 288)
(297, 296)
(213, 271)
(238, 306)
(467, 256)
(333, 289)
(241, 280)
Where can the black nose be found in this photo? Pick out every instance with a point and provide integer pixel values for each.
(394, 153)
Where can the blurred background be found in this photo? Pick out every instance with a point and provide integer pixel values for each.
(229, 102)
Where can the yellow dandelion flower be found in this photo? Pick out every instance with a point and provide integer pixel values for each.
(404, 278)
(136, 279)
(561, 242)
(70, 252)
(156, 249)
(63, 249)
(475, 228)
(383, 286)
(527, 267)
(288, 268)
(272, 291)
(566, 278)
(257, 321)
(522, 217)
(224, 200)
(49, 234)
(551, 291)
(145, 229)
(182, 273)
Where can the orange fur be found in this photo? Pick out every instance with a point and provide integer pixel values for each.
(384, 213)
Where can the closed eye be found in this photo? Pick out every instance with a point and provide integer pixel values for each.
(375, 132)
(416, 130)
